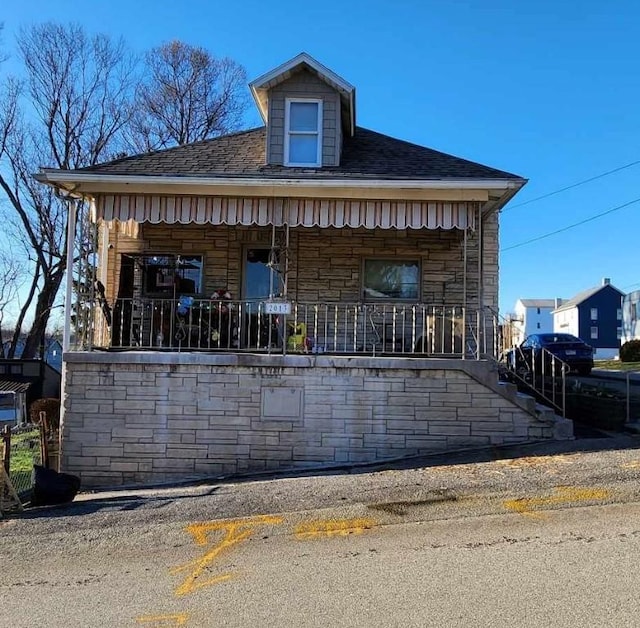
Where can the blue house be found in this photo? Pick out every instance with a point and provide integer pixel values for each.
(595, 316)
(52, 352)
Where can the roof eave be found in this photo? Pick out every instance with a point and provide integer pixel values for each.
(67, 180)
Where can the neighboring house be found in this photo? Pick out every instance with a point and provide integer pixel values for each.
(631, 316)
(24, 381)
(52, 352)
(595, 316)
(533, 316)
(305, 293)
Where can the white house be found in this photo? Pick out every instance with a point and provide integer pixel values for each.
(533, 316)
(631, 316)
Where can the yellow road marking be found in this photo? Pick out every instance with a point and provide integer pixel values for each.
(634, 464)
(332, 527)
(179, 619)
(235, 530)
(564, 494)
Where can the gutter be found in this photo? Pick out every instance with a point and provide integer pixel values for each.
(62, 177)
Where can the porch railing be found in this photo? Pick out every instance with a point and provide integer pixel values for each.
(343, 328)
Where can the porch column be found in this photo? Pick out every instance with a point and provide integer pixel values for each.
(71, 238)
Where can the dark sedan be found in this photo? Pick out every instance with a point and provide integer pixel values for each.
(570, 349)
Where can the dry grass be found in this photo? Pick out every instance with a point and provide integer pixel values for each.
(616, 365)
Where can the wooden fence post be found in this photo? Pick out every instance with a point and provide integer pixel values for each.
(44, 438)
(6, 441)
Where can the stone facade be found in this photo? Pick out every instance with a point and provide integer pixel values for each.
(326, 264)
(151, 417)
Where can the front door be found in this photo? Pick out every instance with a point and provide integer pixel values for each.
(257, 284)
(260, 281)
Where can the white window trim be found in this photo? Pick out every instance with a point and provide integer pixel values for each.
(287, 131)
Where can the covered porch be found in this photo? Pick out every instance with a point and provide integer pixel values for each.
(279, 275)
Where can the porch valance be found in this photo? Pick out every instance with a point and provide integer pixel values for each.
(294, 212)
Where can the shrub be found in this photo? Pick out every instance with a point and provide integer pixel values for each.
(630, 351)
(51, 408)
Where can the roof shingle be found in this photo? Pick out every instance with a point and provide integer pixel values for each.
(366, 155)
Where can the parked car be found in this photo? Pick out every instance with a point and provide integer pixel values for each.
(570, 349)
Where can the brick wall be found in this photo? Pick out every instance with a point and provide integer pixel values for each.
(151, 417)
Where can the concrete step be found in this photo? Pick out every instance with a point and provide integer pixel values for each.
(527, 401)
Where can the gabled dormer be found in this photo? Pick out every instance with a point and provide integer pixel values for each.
(307, 110)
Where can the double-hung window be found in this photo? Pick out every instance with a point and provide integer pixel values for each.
(303, 132)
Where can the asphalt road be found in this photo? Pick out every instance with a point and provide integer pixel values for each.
(538, 536)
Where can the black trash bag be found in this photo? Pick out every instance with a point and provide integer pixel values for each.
(51, 487)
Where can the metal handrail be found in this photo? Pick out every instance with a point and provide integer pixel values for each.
(542, 373)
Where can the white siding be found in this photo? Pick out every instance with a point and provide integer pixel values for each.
(567, 322)
(631, 317)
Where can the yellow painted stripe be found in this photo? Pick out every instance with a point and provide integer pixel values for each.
(563, 495)
(332, 527)
(179, 619)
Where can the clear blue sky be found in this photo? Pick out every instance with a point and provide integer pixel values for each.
(548, 90)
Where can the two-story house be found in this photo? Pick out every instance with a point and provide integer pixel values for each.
(532, 316)
(305, 293)
(595, 316)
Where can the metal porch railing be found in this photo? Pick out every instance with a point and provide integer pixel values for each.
(343, 328)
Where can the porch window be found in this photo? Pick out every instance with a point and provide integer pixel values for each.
(170, 275)
(303, 132)
(391, 279)
(594, 333)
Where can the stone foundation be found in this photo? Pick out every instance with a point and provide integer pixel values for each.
(151, 417)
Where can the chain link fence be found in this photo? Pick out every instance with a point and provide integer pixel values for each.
(21, 451)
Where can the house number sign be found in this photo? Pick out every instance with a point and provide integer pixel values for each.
(277, 307)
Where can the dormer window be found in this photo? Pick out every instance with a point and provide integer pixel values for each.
(303, 132)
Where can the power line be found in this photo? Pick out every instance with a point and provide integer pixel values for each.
(573, 185)
(577, 224)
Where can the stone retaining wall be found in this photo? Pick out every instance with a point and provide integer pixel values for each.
(150, 417)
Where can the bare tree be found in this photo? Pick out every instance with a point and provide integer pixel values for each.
(13, 274)
(186, 95)
(69, 111)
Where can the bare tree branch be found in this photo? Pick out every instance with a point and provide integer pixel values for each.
(69, 111)
(187, 95)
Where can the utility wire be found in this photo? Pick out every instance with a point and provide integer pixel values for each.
(577, 224)
(573, 185)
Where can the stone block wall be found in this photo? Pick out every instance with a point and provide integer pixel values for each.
(150, 417)
(326, 264)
